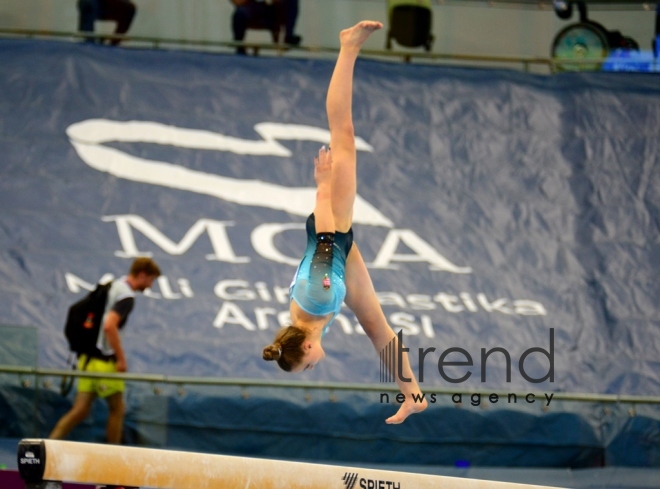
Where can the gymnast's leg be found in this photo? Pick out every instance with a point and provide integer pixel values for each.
(340, 121)
(361, 299)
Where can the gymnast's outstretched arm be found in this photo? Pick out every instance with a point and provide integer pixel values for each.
(321, 267)
(325, 220)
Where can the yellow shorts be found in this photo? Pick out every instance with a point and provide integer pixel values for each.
(98, 386)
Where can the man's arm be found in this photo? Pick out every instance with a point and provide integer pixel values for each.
(111, 329)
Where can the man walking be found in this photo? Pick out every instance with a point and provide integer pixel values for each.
(109, 355)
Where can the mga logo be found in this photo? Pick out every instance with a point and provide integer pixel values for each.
(90, 138)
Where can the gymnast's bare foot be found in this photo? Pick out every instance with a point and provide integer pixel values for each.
(410, 406)
(355, 36)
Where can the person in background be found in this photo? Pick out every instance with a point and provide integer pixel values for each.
(264, 14)
(120, 11)
(109, 355)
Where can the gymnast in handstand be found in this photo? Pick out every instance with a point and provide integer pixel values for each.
(332, 270)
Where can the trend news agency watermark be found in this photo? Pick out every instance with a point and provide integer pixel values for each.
(391, 370)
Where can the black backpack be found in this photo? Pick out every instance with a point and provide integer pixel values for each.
(83, 321)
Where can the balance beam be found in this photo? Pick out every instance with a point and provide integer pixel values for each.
(45, 464)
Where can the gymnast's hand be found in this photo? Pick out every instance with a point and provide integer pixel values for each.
(323, 167)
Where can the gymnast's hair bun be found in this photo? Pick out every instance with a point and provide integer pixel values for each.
(272, 352)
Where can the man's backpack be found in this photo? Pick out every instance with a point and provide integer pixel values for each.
(83, 321)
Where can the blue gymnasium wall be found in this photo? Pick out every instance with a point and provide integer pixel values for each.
(494, 207)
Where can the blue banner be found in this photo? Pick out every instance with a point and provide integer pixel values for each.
(495, 210)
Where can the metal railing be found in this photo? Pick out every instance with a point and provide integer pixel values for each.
(327, 386)
(524, 62)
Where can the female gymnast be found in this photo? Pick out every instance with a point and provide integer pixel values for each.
(332, 270)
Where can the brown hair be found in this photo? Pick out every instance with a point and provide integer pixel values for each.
(286, 348)
(146, 265)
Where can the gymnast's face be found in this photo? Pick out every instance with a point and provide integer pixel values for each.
(313, 354)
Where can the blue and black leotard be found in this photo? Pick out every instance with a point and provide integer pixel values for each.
(319, 286)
